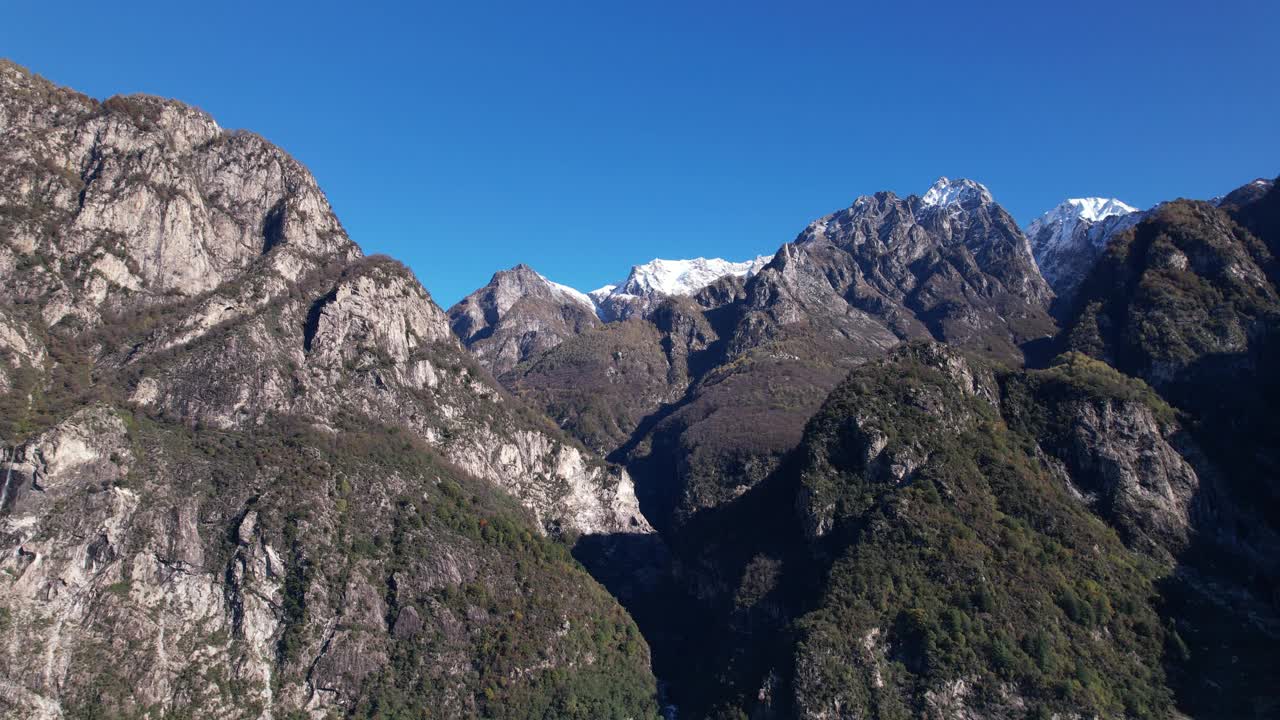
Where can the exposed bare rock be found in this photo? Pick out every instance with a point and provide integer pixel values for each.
(248, 472)
(951, 265)
(150, 577)
(142, 196)
(518, 315)
(1120, 460)
(374, 344)
(747, 364)
(281, 310)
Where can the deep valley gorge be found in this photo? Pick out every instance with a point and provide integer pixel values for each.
(922, 461)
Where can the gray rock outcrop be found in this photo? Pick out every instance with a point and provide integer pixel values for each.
(518, 315)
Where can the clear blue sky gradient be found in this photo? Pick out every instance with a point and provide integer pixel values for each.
(582, 138)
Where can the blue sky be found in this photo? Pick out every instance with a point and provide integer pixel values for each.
(582, 138)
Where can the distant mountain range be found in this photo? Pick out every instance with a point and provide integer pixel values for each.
(1065, 242)
(521, 313)
(714, 401)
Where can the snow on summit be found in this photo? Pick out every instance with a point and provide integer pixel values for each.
(1093, 209)
(1064, 220)
(681, 277)
(1066, 240)
(946, 192)
(573, 293)
(646, 285)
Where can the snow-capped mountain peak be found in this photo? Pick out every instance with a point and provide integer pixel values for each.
(1091, 209)
(1066, 240)
(946, 192)
(1064, 219)
(683, 277)
(647, 285)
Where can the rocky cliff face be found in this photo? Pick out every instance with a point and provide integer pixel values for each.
(146, 195)
(286, 570)
(247, 472)
(519, 314)
(1116, 446)
(280, 315)
(190, 347)
(952, 266)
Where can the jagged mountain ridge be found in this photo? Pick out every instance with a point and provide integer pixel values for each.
(1245, 194)
(520, 313)
(255, 469)
(681, 277)
(855, 283)
(647, 285)
(243, 212)
(951, 265)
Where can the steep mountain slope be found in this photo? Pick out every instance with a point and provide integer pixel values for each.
(950, 540)
(285, 316)
(234, 574)
(248, 471)
(518, 315)
(960, 575)
(1186, 283)
(1169, 520)
(950, 265)
(1067, 240)
(1244, 195)
(601, 385)
(1189, 300)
